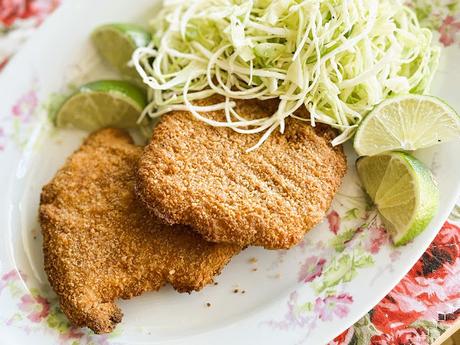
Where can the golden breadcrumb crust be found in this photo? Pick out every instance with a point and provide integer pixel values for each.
(195, 174)
(101, 244)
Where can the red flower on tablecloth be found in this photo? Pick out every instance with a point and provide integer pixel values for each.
(408, 336)
(11, 10)
(17, 20)
(427, 289)
(425, 301)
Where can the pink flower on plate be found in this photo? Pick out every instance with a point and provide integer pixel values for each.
(311, 269)
(10, 276)
(448, 30)
(333, 219)
(72, 333)
(412, 336)
(25, 106)
(338, 305)
(394, 255)
(294, 317)
(378, 236)
(37, 307)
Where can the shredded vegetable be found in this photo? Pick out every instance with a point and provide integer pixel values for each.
(336, 58)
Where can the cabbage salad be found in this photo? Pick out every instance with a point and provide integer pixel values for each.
(336, 58)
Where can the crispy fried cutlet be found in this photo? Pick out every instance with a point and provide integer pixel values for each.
(101, 244)
(195, 174)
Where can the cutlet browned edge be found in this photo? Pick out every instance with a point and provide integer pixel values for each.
(270, 241)
(103, 314)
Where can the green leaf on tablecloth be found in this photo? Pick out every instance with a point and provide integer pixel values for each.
(432, 329)
(363, 331)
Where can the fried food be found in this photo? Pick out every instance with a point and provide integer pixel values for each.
(101, 244)
(195, 174)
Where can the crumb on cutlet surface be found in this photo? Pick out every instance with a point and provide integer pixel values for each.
(101, 244)
(195, 174)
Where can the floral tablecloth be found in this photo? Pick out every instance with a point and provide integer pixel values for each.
(427, 301)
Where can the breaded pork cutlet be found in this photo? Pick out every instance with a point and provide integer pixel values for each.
(195, 174)
(101, 244)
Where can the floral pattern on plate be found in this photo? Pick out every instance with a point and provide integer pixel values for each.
(440, 15)
(39, 311)
(16, 128)
(416, 311)
(358, 237)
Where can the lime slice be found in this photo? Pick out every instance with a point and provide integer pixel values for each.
(117, 42)
(403, 190)
(408, 122)
(101, 104)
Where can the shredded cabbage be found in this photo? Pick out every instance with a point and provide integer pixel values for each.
(336, 58)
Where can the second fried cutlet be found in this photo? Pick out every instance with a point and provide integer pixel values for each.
(195, 174)
(100, 243)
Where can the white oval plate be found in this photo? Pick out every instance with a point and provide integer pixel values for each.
(308, 294)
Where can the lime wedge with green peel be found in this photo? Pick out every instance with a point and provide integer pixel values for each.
(403, 190)
(101, 104)
(407, 123)
(117, 42)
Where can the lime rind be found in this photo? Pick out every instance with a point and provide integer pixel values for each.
(427, 201)
(116, 43)
(102, 104)
(403, 190)
(406, 122)
(132, 93)
(138, 35)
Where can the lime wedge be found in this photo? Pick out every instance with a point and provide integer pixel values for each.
(404, 191)
(117, 42)
(101, 104)
(407, 123)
